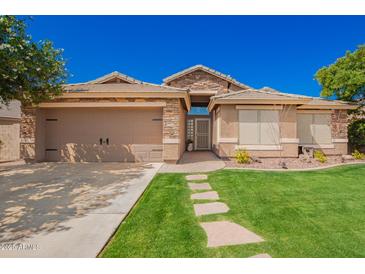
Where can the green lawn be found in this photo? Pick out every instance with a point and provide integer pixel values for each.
(299, 214)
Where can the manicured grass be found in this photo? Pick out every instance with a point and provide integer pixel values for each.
(299, 214)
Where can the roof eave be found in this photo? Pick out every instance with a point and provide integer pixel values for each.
(349, 107)
(129, 94)
(256, 101)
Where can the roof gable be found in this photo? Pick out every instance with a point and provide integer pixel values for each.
(115, 77)
(207, 70)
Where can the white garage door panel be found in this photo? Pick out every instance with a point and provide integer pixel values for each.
(133, 134)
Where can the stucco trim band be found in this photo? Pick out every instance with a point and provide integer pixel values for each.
(289, 141)
(323, 146)
(340, 140)
(309, 111)
(171, 141)
(274, 107)
(228, 140)
(259, 147)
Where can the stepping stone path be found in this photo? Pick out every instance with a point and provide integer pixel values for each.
(210, 208)
(209, 195)
(221, 233)
(224, 233)
(262, 255)
(200, 186)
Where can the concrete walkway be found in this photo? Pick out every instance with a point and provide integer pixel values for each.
(193, 162)
(67, 210)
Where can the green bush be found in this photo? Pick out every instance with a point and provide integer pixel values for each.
(243, 157)
(357, 133)
(358, 155)
(320, 156)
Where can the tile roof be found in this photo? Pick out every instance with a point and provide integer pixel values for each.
(272, 94)
(119, 87)
(112, 75)
(206, 69)
(259, 94)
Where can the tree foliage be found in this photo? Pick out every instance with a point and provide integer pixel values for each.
(30, 71)
(346, 77)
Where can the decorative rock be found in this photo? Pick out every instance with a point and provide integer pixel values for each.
(199, 186)
(209, 195)
(262, 255)
(210, 208)
(283, 165)
(308, 151)
(196, 177)
(224, 233)
(256, 159)
(347, 158)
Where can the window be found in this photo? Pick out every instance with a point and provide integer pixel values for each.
(259, 127)
(314, 128)
(190, 129)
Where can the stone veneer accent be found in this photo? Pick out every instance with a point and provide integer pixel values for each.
(201, 80)
(170, 116)
(339, 122)
(27, 133)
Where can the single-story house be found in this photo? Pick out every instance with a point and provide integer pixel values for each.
(119, 118)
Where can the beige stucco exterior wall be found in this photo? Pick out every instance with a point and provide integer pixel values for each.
(10, 142)
(229, 133)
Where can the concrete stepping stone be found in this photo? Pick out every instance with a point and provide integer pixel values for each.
(209, 195)
(223, 233)
(262, 255)
(199, 186)
(210, 208)
(196, 177)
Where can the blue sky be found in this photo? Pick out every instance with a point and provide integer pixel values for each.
(282, 52)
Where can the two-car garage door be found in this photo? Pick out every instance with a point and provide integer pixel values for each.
(103, 135)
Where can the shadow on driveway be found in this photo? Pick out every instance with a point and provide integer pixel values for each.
(39, 198)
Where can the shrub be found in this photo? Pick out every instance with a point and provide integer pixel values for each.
(243, 157)
(357, 133)
(320, 156)
(358, 155)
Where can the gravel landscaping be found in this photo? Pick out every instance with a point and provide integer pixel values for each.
(290, 163)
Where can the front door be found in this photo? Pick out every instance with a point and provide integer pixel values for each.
(202, 134)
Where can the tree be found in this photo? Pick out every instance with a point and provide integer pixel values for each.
(30, 71)
(345, 79)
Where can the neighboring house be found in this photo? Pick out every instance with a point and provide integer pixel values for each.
(9, 131)
(119, 118)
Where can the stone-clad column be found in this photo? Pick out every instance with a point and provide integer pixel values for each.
(171, 124)
(27, 133)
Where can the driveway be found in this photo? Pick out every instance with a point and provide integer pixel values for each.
(66, 209)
